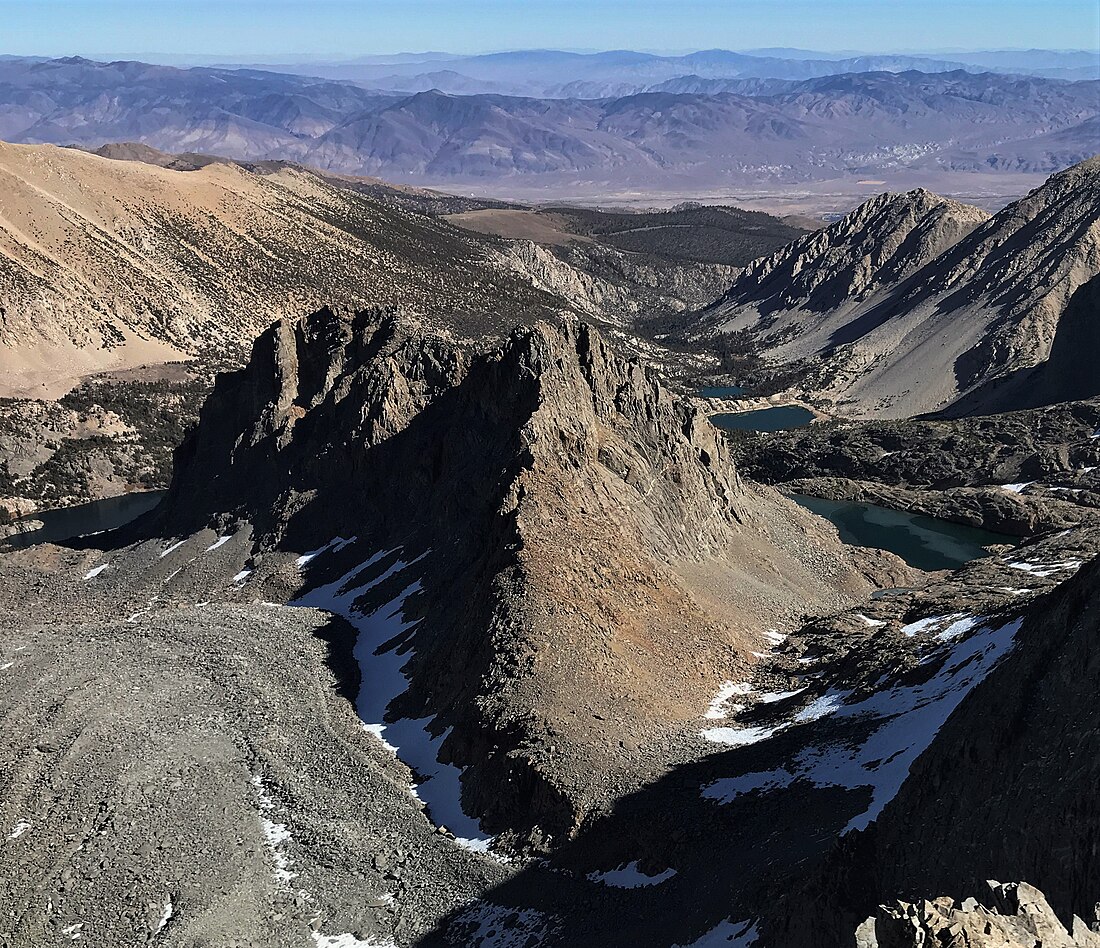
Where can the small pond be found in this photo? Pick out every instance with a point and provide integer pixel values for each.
(923, 542)
(64, 523)
(721, 391)
(778, 418)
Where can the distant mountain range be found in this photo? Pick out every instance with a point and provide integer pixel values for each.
(697, 133)
(560, 74)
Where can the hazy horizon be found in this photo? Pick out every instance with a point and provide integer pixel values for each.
(335, 30)
(251, 58)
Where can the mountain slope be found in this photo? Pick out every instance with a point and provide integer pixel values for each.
(107, 263)
(103, 257)
(951, 321)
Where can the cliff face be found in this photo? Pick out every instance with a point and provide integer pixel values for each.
(588, 560)
(1008, 787)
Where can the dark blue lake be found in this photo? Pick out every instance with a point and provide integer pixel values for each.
(923, 542)
(64, 523)
(721, 391)
(778, 418)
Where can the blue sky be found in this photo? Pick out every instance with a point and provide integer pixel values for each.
(290, 29)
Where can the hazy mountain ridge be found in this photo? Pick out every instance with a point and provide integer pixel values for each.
(558, 74)
(820, 128)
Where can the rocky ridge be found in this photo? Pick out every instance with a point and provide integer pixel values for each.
(1015, 915)
(878, 245)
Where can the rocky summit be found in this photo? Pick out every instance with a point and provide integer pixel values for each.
(1018, 916)
(586, 559)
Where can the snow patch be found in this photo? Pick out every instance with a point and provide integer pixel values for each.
(1016, 488)
(275, 834)
(868, 621)
(717, 708)
(775, 638)
(727, 934)
(347, 940)
(1043, 570)
(221, 541)
(174, 546)
(73, 931)
(95, 571)
(6, 666)
(336, 544)
(242, 576)
(828, 703)
(932, 622)
(729, 788)
(488, 925)
(956, 629)
(741, 736)
(166, 915)
(376, 730)
(383, 679)
(19, 829)
(629, 877)
(772, 697)
(910, 716)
